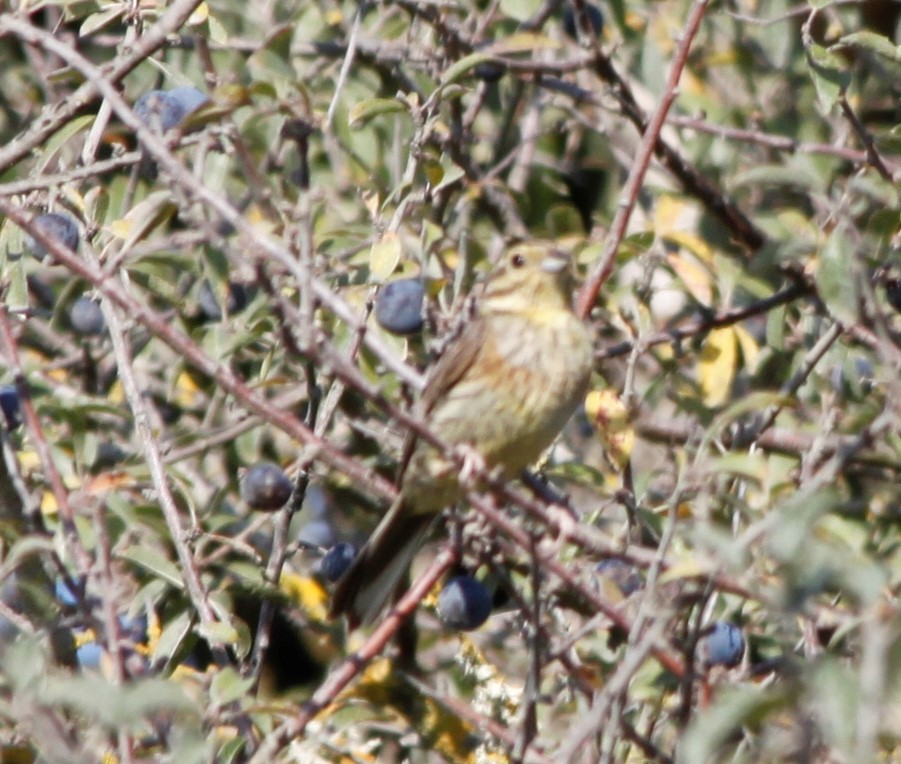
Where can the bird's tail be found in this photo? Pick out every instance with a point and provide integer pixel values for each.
(375, 573)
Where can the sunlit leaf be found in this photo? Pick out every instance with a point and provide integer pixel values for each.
(717, 365)
(360, 113)
(836, 278)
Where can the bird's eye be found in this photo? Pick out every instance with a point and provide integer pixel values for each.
(518, 261)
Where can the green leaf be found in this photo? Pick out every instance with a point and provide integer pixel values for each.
(734, 708)
(360, 113)
(173, 635)
(835, 693)
(835, 277)
(97, 21)
(146, 215)
(126, 706)
(871, 41)
(384, 256)
(16, 295)
(219, 633)
(520, 10)
(829, 74)
(156, 563)
(228, 685)
(60, 137)
(463, 66)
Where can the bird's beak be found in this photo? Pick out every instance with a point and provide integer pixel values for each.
(555, 262)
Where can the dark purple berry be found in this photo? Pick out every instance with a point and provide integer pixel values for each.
(159, 110)
(189, 98)
(464, 603)
(56, 225)
(86, 317)
(621, 573)
(398, 308)
(9, 405)
(266, 487)
(488, 71)
(235, 300)
(893, 293)
(723, 645)
(336, 561)
(595, 18)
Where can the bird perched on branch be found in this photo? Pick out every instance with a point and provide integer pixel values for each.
(504, 388)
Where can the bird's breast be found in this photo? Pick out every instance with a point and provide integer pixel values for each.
(517, 394)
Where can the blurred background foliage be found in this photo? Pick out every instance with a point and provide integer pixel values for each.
(731, 592)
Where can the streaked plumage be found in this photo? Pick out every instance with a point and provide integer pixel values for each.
(505, 387)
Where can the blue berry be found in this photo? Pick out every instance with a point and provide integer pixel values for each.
(464, 603)
(893, 293)
(9, 405)
(86, 317)
(235, 300)
(158, 110)
(165, 109)
(64, 595)
(595, 18)
(723, 646)
(266, 487)
(134, 629)
(56, 225)
(189, 98)
(398, 308)
(488, 71)
(621, 573)
(318, 533)
(88, 655)
(336, 561)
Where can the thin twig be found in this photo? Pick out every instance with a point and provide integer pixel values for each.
(328, 691)
(651, 134)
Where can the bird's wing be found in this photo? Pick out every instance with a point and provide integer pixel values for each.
(450, 368)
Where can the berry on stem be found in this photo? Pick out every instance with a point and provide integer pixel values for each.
(266, 487)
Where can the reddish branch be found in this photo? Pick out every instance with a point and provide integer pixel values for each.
(650, 145)
(58, 114)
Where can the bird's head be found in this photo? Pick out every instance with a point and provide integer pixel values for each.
(529, 276)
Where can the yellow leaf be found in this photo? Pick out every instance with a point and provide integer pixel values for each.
(201, 13)
(750, 352)
(384, 256)
(120, 228)
(116, 393)
(522, 42)
(693, 244)
(717, 365)
(48, 503)
(186, 390)
(611, 420)
(308, 593)
(692, 568)
(673, 214)
(695, 278)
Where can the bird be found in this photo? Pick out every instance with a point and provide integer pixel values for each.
(502, 391)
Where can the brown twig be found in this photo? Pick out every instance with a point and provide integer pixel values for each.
(53, 118)
(150, 446)
(874, 158)
(705, 323)
(183, 345)
(67, 513)
(328, 691)
(649, 142)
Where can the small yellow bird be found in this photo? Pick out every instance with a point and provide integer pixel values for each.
(505, 388)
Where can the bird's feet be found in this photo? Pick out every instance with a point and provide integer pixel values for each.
(473, 464)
